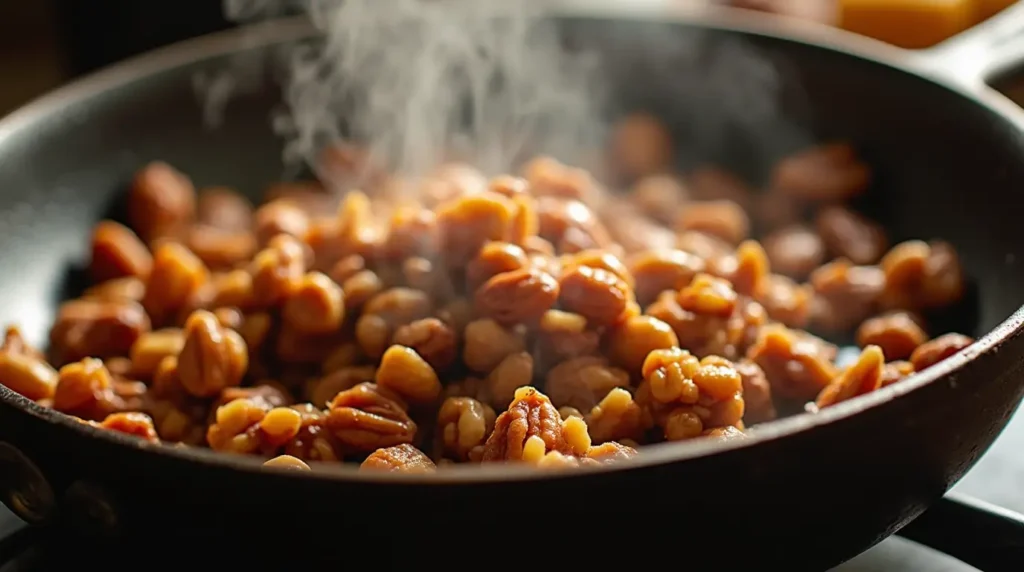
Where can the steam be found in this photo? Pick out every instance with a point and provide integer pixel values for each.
(418, 81)
(490, 82)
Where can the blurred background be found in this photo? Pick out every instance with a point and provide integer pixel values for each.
(44, 43)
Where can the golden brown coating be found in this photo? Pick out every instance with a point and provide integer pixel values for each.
(542, 319)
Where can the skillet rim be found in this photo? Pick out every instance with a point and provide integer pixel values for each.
(251, 37)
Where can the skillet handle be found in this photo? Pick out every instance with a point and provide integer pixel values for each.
(985, 52)
(980, 534)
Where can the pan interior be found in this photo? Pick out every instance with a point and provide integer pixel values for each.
(945, 166)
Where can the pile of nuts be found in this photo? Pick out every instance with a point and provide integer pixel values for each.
(461, 319)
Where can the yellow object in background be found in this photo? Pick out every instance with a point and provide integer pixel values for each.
(985, 9)
(909, 23)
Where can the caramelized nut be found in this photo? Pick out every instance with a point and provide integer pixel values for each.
(132, 423)
(316, 305)
(117, 253)
(527, 430)
(369, 417)
(96, 328)
(27, 375)
(287, 462)
(162, 200)
(898, 334)
(864, 376)
(176, 275)
(463, 424)
(630, 342)
(403, 371)
(212, 358)
(942, 347)
(518, 296)
(402, 458)
(598, 295)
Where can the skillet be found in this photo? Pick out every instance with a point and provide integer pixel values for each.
(806, 492)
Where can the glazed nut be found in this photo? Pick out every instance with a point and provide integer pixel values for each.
(369, 417)
(96, 328)
(233, 421)
(582, 382)
(372, 333)
(795, 365)
(598, 295)
(176, 275)
(683, 424)
(487, 343)
(920, 275)
(525, 223)
(757, 393)
(849, 235)
(601, 260)
(316, 305)
(676, 375)
(219, 248)
(287, 462)
(897, 334)
(528, 430)
(934, 351)
(412, 233)
(722, 219)
(515, 371)
(360, 288)
(161, 201)
(277, 269)
(467, 223)
(752, 268)
(794, 251)
(128, 289)
(463, 423)
(519, 296)
(709, 296)
(432, 339)
(547, 176)
(402, 458)
(117, 253)
(611, 452)
(630, 342)
(224, 208)
(30, 376)
(493, 259)
(576, 435)
(132, 423)
(659, 197)
(403, 371)
(280, 217)
(656, 271)
(81, 385)
(826, 173)
(212, 358)
(864, 376)
(896, 371)
(786, 301)
(616, 417)
(280, 425)
(152, 347)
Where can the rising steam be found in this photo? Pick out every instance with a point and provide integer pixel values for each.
(417, 81)
(489, 81)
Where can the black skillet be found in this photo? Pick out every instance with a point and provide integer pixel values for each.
(806, 492)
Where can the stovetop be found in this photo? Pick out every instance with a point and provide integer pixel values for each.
(996, 478)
